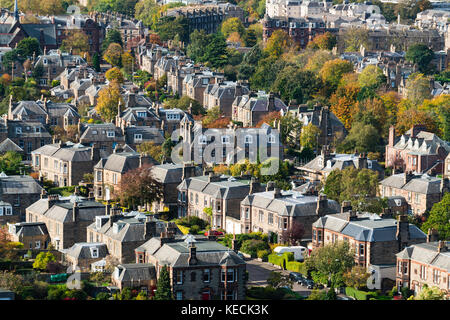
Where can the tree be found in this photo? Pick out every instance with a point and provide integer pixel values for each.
(114, 74)
(96, 62)
(356, 37)
(231, 25)
(42, 259)
(294, 234)
(184, 103)
(8, 248)
(112, 36)
(113, 55)
(27, 46)
(163, 287)
(324, 41)
(421, 55)
(139, 187)
(197, 45)
(278, 42)
(417, 88)
(77, 41)
(127, 62)
(317, 59)
(11, 281)
(333, 70)
(356, 277)
(108, 101)
(144, 11)
(439, 109)
(332, 186)
(362, 137)
(410, 117)
(427, 293)
(439, 218)
(170, 27)
(328, 263)
(11, 163)
(372, 77)
(150, 148)
(309, 136)
(278, 280)
(216, 54)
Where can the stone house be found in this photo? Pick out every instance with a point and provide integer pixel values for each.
(170, 176)
(272, 212)
(424, 264)
(222, 194)
(251, 108)
(122, 233)
(108, 172)
(105, 136)
(16, 194)
(138, 115)
(420, 191)
(33, 235)
(66, 218)
(65, 163)
(374, 239)
(222, 95)
(137, 135)
(416, 150)
(195, 84)
(82, 255)
(26, 135)
(199, 269)
(140, 276)
(320, 167)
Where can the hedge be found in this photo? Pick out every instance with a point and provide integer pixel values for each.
(281, 260)
(294, 266)
(359, 295)
(13, 265)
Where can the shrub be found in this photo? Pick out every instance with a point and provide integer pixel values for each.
(359, 295)
(262, 254)
(195, 229)
(102, 296)
(252, 246)
(281, 260)
(295, 266)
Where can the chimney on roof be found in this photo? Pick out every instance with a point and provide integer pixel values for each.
(402, 230)
(75, 211)
(407, 176)
(322, 205)
(277, 193)
(351, 215)
(255, 186)
(362, 161)
(43, 194)
(270, 185)
(346, 206)
(442, 246)
(192, 260)
(149, 229)
(271, 105)
(432, 235)
(91, 196)
(391, 136)
(107, 208)
(445, 186)
(386, 213)
(416, 129)
(52, 199)
(95, 153)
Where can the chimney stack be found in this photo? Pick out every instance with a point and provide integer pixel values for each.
(192, 260)
(442, 246)
(277, 193)
(75, 211)
(408, 175)
(346, 206)
(402, 230)
(351, 215)
(432, 235)
(322, 205)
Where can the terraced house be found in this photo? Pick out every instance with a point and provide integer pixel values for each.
(199, 269)
(66, 218)
(65, 163)
(424, 264)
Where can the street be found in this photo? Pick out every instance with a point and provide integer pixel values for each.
(260, 271)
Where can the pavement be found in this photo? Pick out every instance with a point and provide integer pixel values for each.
(258, 272)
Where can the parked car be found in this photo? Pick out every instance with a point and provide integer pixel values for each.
(213, 233)
(295, 276)
(319, 286)
(309, 284)
(303, 282)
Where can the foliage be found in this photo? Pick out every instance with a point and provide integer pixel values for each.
(278, 280)
(293, 234)
(356, 277)
(333, 70)
(372, 77)
(362, 137)
(328, 263)
(163, 287)
(149, 147)
(277, 43)
(112, 36)
(263, 254)
(113, 54)
(420, 54)
(430, 293)
(317, 294)
(76, 42)
(324, 41)
(42, 259)
(357, 294)
(356, 37)
(138, 187)
(252, 246)
(417, 88)
(96, 62)
(309, 136)
(184, 103)
(232, 25)
(439, 218)
(11, 163)
(108, 101)
(168, 28)
(114, 74)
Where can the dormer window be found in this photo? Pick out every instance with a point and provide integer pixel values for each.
(45, 61)
(94, 252)
(18, 130)
(110, 134)
(138, 137)
(225, 139)
(141, 114)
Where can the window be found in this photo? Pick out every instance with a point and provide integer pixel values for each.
(193, 276)
(230, 275)
(110, 134)
(261, 216)
(141, 114)
(334, 238)
(225, 139)
(206, 275)
(222, 275)
(423, 272)
(436, 276)
(196, 198)
(417, 198)
(319, 235)
(138, 136)
(37, 244)
(202, 139)
(285, 223)
(99, 176)
(270, 218)
(140, 258)
(179, 295)
(114, 176)
(314, 236)
(361, 249)
(271, 138)
(179, 276)
(248, 139)
(94, 252)
(8, 211)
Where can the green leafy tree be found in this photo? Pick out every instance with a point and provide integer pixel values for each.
(163, 287)
(418, 88)
(421, 55)
(356, 37)
(372, 77)
(216, 54)
(333, 70)
(27, 46)
(231, 25)
(278, 280)
(356, 277)
(112, 36)
(197, 45)
(113, 55)
(114, 74)
(439, 218)
(309, 136)
(96, 62)
(362, 137)
(42, 259)
(293, 83)
(430, 293)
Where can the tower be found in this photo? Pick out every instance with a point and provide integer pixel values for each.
(16, 11)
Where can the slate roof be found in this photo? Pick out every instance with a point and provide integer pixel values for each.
(99, 133)
(154, 135)
(30, 129)
(9, 145)
(19, 185)
(82, 250)
(260, 103)
(73, 153)
(427, 253)
(28, 108)
(121, 162)
(176, 253)
(289, 204)
(61, 60)
(226, 188)
(35, 30)
(367, 227)
(339, 161)
(424, 143)
(224, 90)
(29, 229)
(135, 272)
(419, 183)
(87, 211)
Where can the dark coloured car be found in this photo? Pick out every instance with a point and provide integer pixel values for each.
(295, 276)
(309, 284)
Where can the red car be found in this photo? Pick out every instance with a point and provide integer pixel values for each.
(213, 233)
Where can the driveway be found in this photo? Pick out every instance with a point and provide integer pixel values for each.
(258, 272)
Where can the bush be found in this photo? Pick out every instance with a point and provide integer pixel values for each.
(359, 295)
(262, 254)
(103, 296)
(295, 266)
(282, 260)
(252, 246)
(195, 229)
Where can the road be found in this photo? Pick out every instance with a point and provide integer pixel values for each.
(258, 273)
